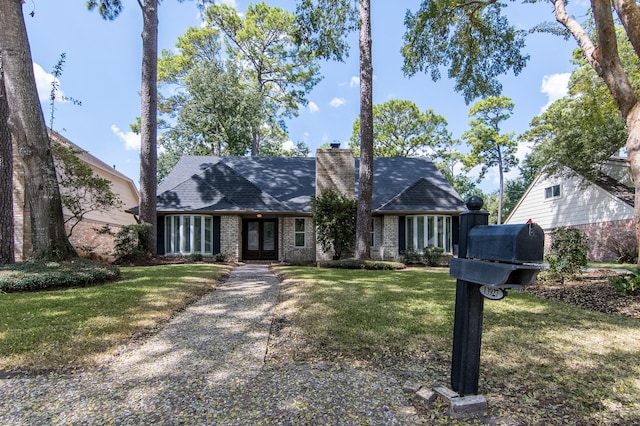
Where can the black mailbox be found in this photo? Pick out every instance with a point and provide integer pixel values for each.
(491, 259)
(501, 256)
(522, 243)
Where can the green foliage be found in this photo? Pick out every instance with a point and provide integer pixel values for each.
(334, 216)
(82, 190)
(473, 40)
(628, 284)
(262, 42)
(324, 26)
(401, 130)
(433, 256)
(372, 265)
(585, 128)
(195, 257)
(220, 257)
(37, 275)
(131, 242)
(411, 257)
(568, 253)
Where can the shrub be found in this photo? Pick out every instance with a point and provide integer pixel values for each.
(433, 255)
(37, 275)
(219, 257)
(195, 257)
(334, 216)
(131, 242)
(568, 253)
(362, 264)
(624, 245)
(412, 257)
(626, 284)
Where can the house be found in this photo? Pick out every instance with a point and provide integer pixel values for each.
(258, 208)
(602, 208)
(84, 238)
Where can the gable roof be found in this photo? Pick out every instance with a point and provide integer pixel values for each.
(286, 184)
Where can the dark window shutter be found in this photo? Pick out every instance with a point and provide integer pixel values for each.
(402, 236)
(160, 235)
(216, 235)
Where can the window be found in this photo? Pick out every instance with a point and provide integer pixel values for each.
(372, 236)
(552, 192)
(298, 233)
(187, 234)
(428, 231)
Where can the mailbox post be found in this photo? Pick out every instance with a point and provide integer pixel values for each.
(490, 260)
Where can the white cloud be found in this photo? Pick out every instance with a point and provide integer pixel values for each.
(555, 86)
(130, 139)
(313, 107)
(43, 83)
(337, 102)
(288, 146)
(355, 82)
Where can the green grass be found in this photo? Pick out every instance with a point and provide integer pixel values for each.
(542, 362)
(73, 327)
(604, 265)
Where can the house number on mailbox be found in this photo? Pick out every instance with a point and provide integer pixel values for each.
(492, 292)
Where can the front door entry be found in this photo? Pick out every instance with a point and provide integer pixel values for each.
(259, 239)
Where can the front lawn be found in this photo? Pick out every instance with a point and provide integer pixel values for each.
(543, 362)
(66, 329)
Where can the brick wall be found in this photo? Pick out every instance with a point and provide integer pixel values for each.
(88, 243)
(230, 237)
(335, 169)
(604, 235)
(291, 253)
(386, 238)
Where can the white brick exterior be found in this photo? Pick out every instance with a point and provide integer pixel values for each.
(230, 237)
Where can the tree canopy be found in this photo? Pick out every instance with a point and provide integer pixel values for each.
(490, 147)
(400, 129)
(262, 43)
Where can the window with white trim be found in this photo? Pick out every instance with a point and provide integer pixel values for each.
(372, 236)
(299, 237)
(428, 231)
(552, 192)
(188, 234)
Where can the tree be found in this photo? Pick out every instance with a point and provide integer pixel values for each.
(280, 71)
(577, 133)
(487, 42)
(6, 181)
(401, 130)
(334, 216)
(489, 147)
(324, 24)
(29, 134)
(83, 191)
(110, 9)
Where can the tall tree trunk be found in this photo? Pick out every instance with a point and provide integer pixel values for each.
(6, 181)
(633, 151)
(27, 126)
(363, 225)
(149, 121)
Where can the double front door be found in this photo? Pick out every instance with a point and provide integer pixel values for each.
(259, 239)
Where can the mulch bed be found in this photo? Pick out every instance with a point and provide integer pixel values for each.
(590, 291)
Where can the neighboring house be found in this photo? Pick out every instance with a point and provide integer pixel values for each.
(258, 208)
(602, 208)
(84, 237)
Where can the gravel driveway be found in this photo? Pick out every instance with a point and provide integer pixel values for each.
(207, 366)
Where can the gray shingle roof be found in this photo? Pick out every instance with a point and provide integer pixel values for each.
(282, 184)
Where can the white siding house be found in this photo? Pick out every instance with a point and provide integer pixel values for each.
(602, 209)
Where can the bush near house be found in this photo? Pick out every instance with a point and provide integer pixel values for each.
(568, 254)
(31, 276)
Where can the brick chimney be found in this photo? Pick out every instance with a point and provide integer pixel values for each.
(335, 169)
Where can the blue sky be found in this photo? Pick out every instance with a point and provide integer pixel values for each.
(103, 60)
